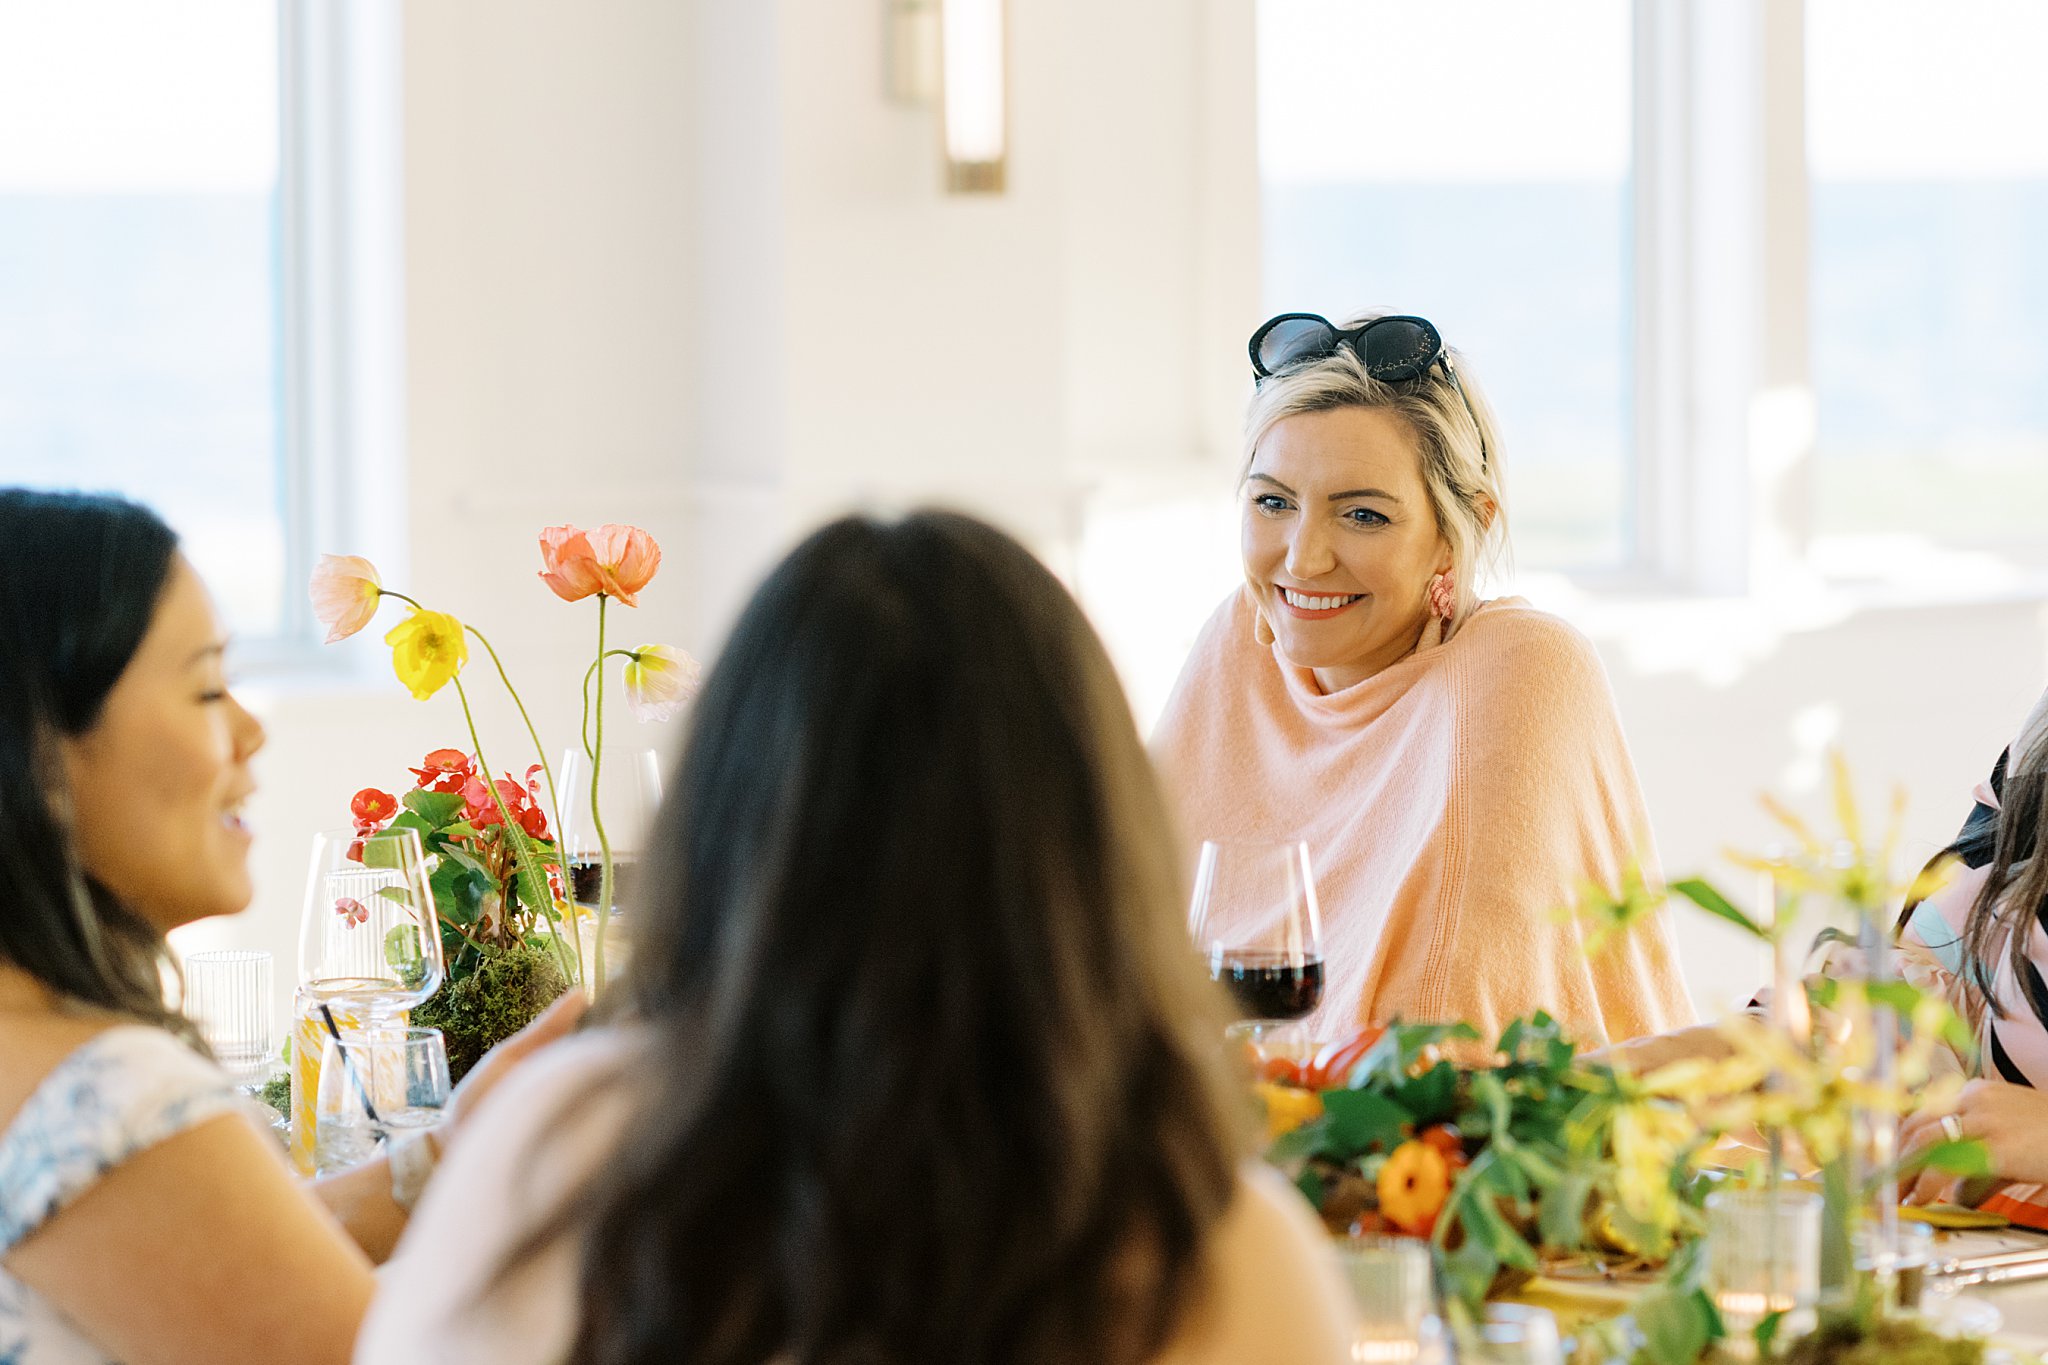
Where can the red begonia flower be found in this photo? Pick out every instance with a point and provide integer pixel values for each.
(444, 770)
(372, 807)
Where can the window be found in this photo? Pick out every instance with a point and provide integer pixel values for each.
(139, 272)
(1929, 286)
(1470, 161)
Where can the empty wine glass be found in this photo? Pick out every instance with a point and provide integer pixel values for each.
(369, 950)
(368, 930)
(1256, 921)
(376, 1085)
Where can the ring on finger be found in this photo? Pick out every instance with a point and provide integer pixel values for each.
(1951, 1128)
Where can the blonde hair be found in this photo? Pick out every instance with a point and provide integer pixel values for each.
(1459, 447)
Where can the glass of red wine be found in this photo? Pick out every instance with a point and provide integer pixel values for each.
(1256, 921)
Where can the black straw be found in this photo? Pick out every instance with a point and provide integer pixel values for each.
(334, 1031)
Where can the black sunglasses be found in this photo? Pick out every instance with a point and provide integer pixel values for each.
(1393, 349)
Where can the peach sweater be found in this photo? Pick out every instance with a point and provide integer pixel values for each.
(1452, 804)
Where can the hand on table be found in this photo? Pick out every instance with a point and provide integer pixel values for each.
(556, 1022)
(1640, 1056)
(2010, 1120)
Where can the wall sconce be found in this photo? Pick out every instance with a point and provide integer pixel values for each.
(953, 53)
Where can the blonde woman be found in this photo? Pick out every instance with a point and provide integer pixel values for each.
(1455, 764)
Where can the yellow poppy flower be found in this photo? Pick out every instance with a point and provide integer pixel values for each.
(427, 649)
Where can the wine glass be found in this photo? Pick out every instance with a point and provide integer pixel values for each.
(1256, 920)
(368, 931)
(629, 793)
(376, 1085)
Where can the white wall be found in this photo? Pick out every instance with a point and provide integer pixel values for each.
(677, 262)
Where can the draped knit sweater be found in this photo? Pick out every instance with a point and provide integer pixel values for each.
(1454, 805)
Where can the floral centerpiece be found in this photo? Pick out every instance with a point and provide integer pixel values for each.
(1536, 1160)
(512, 932)
(505, 961)
(1533, 1160)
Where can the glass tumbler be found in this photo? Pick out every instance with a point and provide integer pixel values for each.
(227, 994)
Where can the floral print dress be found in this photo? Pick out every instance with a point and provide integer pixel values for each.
(121, 1092)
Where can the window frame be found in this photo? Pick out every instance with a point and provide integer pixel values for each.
(340, 306)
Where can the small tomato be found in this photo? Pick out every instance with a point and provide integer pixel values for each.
(1335, 1061)
(1446, 1139)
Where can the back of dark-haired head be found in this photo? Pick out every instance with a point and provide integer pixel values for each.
(80, 578)
(2014, 896)
(937, 1071)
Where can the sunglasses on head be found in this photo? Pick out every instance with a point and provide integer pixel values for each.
(1393, 349)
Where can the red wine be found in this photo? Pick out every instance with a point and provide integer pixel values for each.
(1270, 985)
(585, 874)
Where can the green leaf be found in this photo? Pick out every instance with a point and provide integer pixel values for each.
(1511, 1037)
(1899, 997)
(461, 829)
(1492, 1096)
(436, 808)
(532, 882)
(1707, 898)
(463, 857)
(1561, 1216)
(1965, 1157)
(382, 852)
(396, 893)
(1676, 1326)
(1470, 1271)
(411, 820)
(1311, 1186)
(1360, 1119)
(458, 892)
(1298, 1143)
(1431, 1097)
(1484, 1220)
(1766, 1332)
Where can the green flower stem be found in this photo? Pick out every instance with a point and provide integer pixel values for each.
(604, 844)
(527, 866)
(547, 770)
(386, 592)
(594, 666)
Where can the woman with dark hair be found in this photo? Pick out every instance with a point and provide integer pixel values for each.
(143, 1217)
(1983, 941)
(918, 1066)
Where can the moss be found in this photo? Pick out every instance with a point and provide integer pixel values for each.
(491, 1003)
(1891, 1341)
(277, 1093)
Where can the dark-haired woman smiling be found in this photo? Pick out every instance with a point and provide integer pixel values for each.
(143, 1218)
(920, 1068)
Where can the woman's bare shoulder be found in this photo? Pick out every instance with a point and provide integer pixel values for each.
(35, 1044)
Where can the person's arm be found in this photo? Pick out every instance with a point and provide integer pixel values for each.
(362, 1198)
(201, 1250)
